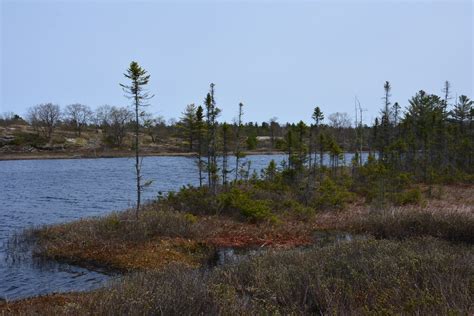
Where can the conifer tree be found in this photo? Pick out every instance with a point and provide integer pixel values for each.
(461, 111)
(211, 123)
(318, 117)
(139, 78)
(385, 122)
(188, 125)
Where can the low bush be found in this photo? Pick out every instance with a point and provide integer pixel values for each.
(239, 201)
(330, 196)
(249, 202)
(175, 290)
(298, 210)
(29, 139)
(422, 276)
(382, 185)
(113, 230)
(193, 200)
(410, 196)
(401, 224)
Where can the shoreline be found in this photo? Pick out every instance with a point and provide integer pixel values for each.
(202, 236)
(118, 154)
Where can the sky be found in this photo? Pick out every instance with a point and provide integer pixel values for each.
(280, 58)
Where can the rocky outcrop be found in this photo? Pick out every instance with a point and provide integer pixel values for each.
(6, 139)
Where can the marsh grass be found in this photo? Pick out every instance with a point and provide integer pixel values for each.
(420, 261)
(453, 225)
(417, 276)
(116, 241)
(119, 242)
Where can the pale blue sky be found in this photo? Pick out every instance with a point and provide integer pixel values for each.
(278, 58)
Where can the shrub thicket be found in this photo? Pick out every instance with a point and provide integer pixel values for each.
(422, 276)
(402, 224)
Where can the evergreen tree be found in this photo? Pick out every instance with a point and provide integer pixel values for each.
(211, 122)
(318, 117)
(188, 125)
(461, 111)
(462, 117)
(136, 92)
(385, 128)
(423, 119)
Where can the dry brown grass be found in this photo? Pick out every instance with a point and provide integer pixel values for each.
(377, 277)
(458, 198)
(118, 242)
(149, 255)
(227, 232)
(445, 199)
(86, 242)
(163, 237)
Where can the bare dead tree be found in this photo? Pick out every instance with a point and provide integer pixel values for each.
(44, 118)
(238, 153)
(78, 115)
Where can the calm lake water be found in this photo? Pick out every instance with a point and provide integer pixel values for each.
(38, 192)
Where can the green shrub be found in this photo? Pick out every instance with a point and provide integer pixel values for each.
(330, 195)
(270, 173)
(381, 185)
(239, 201)
(191, 218)
(196, 201)
(298, 210)
(251, 142)
(29, 139)
(415, 277)
(410, 196)
(281, 144)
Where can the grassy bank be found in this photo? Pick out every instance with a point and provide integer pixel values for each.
(119, 242)
(20, 141)
(413, 258)
(417, 276)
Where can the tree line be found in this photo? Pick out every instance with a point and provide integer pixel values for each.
(116, 121)
(432, 138)
(431, 132)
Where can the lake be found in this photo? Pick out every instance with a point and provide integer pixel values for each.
(39, 192)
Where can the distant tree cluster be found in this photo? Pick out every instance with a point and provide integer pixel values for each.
(432, 134)
(431, 141)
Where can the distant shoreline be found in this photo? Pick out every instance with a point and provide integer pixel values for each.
(118, 154)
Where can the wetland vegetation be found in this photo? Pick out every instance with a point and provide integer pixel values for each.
(406, 212)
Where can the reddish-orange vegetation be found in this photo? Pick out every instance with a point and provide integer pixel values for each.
(221, 231)
(37, 305)
(149, 255)
(284, 234)
(157, 253)
(86, 244)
